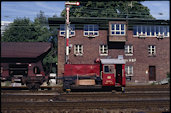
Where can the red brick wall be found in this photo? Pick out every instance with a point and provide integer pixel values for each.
(90, 49)
(143, 60)
(140, 53)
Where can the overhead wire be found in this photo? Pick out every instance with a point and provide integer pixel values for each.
(49, 24)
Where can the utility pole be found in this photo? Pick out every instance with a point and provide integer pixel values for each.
(127, 17)
(67, 30)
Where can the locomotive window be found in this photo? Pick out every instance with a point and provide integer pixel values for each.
(108, 69)
(36, 70)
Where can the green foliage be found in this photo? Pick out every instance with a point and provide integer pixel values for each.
(24, 30)
(153, 83)
(21, 30)
(113, 9)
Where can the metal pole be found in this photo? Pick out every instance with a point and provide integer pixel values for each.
(67, 34)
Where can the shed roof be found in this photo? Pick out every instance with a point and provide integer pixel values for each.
(112, 61)
(24, 49)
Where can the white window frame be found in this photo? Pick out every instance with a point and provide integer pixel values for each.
(88, 32)
(63, 31)
(151, 50)
(150, 35)
(103, 48)
(129, 70)
(117, 30)
(78, 50)
(128, 50)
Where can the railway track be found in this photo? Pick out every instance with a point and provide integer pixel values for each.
(148, 105)
(82, 97)
(128, 88)
(50, 101)
(54, 95)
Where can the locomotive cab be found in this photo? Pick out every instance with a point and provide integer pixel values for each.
(113, 72)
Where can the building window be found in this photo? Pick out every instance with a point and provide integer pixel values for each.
(151, 31)
(71, 31)
(152, 50)
(91, 30)
(128, 50)
(129, 70)
(78, 50)
(103, 50)
(117, 29)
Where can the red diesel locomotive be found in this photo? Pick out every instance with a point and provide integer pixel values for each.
(107, 73)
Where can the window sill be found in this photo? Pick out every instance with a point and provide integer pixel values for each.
(78, 54)
(103, 54)
(151, 55)
(128, 54)
(135, 36)
(64, 35)
(129, 75)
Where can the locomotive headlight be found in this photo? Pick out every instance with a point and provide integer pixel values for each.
(108, 77)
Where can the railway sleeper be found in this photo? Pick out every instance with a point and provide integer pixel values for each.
(33, 85)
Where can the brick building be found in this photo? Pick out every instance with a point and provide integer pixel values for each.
(144, 44)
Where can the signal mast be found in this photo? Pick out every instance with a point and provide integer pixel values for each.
(67, 31)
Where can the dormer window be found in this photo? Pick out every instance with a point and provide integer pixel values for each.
(71, 30)
(91, 30)
(118, 29)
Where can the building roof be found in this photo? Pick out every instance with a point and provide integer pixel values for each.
(112, 61)
(24, 49)
(104, 22)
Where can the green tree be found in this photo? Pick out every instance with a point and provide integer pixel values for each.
(24, 30)
(21, 30)
(41, 23)
(113, 9)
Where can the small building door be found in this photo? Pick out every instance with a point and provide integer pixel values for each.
(152, 73)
